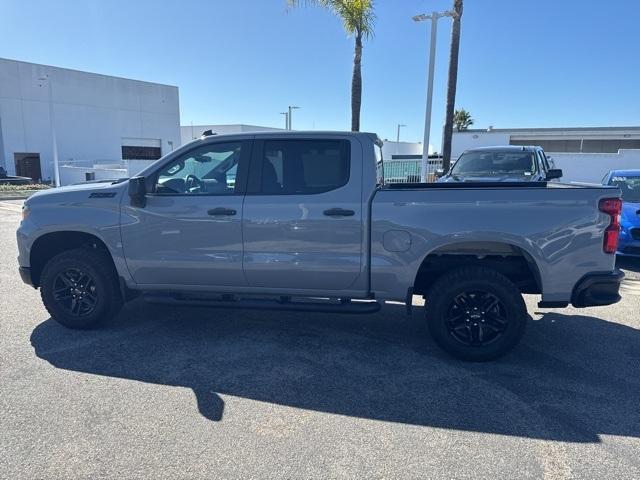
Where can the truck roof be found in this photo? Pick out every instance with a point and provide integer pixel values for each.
(292, 133)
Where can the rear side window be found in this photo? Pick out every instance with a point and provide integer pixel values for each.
(299, 167)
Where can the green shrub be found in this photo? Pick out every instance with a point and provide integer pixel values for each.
(23, 188)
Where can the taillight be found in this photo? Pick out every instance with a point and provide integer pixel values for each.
(612, 207)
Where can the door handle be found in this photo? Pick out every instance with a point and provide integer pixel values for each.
(221, 211)
(339, 212)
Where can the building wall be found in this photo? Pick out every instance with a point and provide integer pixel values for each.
(462, 141)
(591, 167)
(401, 148)
(92, 114)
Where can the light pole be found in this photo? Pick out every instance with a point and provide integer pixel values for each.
(286, 120)
(434, 17)
(54, 139)
(289, 117)
(400, 125)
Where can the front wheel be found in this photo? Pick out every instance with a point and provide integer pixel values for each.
(475, 313)
(79, 288)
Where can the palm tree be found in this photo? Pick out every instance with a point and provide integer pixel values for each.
(452, 83)
(358, 20)
(462, 119)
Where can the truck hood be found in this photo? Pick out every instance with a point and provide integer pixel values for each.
(76, 192)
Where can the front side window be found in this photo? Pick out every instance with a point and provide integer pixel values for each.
(299, 167)
(545, 162)
(207, 170)
(495, 163)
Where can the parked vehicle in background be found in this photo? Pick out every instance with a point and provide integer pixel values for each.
(628, 181)
(301, 221)
(502, 164)
(12, 180)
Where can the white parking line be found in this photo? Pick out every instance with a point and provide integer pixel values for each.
(11, 207)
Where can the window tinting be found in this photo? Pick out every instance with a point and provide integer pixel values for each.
(141, 153)
(207, 170)
(304, 166)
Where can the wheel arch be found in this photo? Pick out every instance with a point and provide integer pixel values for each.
(511, 259)
(48, 245)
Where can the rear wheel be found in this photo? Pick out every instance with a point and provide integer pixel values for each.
(475, 313)
(79, 288)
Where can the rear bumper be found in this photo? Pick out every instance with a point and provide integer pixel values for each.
(597, 289)
(25, 275)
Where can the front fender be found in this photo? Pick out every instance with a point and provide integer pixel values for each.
(73, 212)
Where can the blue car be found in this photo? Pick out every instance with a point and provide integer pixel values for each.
(629, 183)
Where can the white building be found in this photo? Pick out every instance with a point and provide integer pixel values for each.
(191, 132)
(585, 154)
(98, 120)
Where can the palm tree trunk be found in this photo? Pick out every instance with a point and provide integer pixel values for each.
(356, 85)
(451, 86)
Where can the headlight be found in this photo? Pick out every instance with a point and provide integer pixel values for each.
(25, 212)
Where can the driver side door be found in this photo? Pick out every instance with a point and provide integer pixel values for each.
(190, 231)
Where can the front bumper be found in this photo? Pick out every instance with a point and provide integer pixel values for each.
(597, 289)
(25, 275)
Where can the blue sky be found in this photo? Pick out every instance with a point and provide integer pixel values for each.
(523, 63)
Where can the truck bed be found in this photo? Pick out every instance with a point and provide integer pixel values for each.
(556, 226)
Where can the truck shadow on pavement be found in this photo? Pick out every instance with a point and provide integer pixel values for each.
(573, 378)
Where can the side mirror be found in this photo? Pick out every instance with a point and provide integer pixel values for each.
(439, 173)
(138, 192)
(554, 173)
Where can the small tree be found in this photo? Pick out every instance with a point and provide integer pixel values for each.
(462, 119)
(358, 18)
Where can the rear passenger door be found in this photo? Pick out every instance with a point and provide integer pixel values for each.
(303, 218)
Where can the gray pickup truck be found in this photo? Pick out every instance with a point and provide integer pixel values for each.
(303, 221)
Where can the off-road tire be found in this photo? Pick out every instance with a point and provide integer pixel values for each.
(481, 286)
(96, 265)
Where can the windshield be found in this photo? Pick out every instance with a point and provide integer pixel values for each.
(630, 187)
(496, 162)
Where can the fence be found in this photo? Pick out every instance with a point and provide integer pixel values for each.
(408, 171)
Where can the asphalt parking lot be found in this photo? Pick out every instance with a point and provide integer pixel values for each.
(188, 393)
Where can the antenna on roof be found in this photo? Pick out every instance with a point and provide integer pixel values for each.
(207, 133)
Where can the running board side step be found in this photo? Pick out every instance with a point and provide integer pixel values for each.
(284, 303)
